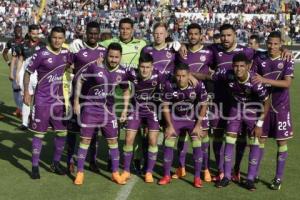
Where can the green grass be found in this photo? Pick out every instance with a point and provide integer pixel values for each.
(15, 165)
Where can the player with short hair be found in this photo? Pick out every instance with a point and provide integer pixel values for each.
(189, 105)
(81, 59)
(277, 74)
(12, 45)
(146, 82)
(24, 53)
(253, 42)
(48, 105)
(199, 59)
(98, 109)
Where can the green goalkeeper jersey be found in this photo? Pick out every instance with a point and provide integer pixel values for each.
(131, 50)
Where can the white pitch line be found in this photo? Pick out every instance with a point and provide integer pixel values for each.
(124, 193)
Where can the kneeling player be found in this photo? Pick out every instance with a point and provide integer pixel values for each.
(188, 109)
(146, 82)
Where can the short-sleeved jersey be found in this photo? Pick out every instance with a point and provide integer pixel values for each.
(198, 61)
(242, 92)
(100, 83)
(275, 69)
(184, 101)
(130, 51)
(223, 59)
(84, 57)
(146, 91)
(13, 45)
(163, 59)
(50, 67)
(27, 49)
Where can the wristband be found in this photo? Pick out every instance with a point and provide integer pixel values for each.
(260, 123)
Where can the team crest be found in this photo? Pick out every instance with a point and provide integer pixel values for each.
(64, 58)
(34, 126)
(280, 65)
(100, 74)
(193, 95)
(169, 55)
(136, 47)
(202, 58)
(119, 78)
(154, 83)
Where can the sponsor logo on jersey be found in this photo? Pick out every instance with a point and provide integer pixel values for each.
(84, 54)
(50, 60)
(169, 55)
(154, 83)
(193, 95)
(280, 66)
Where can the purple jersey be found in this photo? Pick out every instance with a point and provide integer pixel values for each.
(145, 90)
(163, 58)
(275, 69)
(85, 57)
(223, 59)
(198, 61)
(242, 92)
(50, 67)
(100, 83)
(184, 101)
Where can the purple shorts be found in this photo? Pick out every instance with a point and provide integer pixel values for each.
(43, 116)
(92, 119)
(149, 119)
(278, 125)
(183, 127)
(243, 120)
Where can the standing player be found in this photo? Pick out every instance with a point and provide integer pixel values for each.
(24, 53)
(198, 59)
(131, 47)
(277, 74)
(188, 109)
(81, 59)
(146, 82)
(13, 45)
(48, 109)
(98, 108)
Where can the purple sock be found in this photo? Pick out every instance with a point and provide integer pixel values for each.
(151, 161)
(36, 150)
(168, 160)
(281, 158)
(115, 158)
(182, 148)
(59, 143)
(204, 149)
(239, 153)
(197, 155)
(81, 155)
(71, 142)
(253, 162)
(93, 150)
(127, 160)
(218, 149)
(228, 154)
(261, 155)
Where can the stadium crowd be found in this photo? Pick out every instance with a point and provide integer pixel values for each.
(284, 16)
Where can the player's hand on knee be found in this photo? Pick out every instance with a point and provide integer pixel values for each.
(197, 131)
(123, 117)
(257, 132)
(76, 108)
(170, 131)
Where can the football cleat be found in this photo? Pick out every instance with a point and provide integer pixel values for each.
(236, 177)
(165, 180)
(56, 168)
(115, 177)
(149, 178)
(223, 183)
(207, 176)
(276, 184)
(35, 174)
(218, 178)
(198, 182)
(125, 175)
(79, 178)
(179, 173)
(249, 185)
(71, 168)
